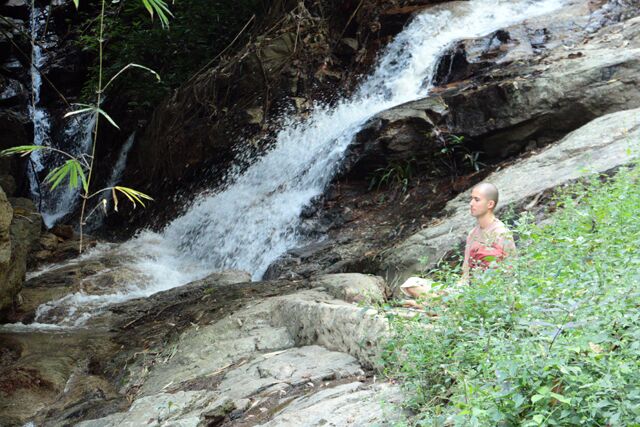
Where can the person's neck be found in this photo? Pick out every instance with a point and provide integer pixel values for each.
(486, 220)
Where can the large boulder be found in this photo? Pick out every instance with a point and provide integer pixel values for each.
(8, 290)
(20, 226)
(601, 145)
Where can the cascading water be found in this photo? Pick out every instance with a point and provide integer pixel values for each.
(39, 115)
(255, 218)
(96, 219)
(76, 137)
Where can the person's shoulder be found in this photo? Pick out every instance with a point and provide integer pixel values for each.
(501, 227)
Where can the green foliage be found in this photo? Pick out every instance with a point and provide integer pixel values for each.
(198, 31)
(396, 176)
(71, 169)
(455, 155)
(552, 339)
(131, 194)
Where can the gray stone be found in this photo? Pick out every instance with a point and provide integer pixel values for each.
(311, 317)
(599, 146)
(217, 347)
(182, 409)
(292, 367)
(228, 277)
(20, 226)
(348, 404)
(352, 287)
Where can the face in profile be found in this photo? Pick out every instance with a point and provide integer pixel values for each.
(480, 204)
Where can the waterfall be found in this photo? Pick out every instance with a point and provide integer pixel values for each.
(255, 218)
(76, 137)
(39, 115)
(96, 220)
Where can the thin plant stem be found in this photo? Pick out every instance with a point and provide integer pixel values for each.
(95, 129)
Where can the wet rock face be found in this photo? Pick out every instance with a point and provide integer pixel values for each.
(14, 95)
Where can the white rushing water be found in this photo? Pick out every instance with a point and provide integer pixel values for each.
(75, 139)
(255, 219)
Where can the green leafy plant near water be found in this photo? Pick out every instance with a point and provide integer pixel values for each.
(396, 176)
(455, 156)
(552, 340)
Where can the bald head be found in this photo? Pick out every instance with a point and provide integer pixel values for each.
(489, 191)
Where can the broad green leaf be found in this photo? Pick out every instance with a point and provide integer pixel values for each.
(83, 178)
(561, 398)
(538, 418)
(56, 175)
(518, 400)
(148, 7)
(160, 8)
(77, 3)
(537, 397)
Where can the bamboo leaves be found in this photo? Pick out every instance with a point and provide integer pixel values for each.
(23, 150)
(133, 195)
(157, 7)
(95, 110)
(160, 8)
(71, 169)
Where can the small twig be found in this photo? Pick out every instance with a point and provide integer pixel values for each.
(266, 86)
(353, 15)
(23, 216)
(221, 52)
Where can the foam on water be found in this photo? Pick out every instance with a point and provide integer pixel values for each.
(255, 218)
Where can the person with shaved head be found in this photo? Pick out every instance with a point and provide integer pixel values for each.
(489, 242)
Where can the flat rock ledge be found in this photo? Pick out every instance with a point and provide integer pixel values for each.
(304, 358)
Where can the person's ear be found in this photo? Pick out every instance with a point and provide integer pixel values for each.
(491, 204)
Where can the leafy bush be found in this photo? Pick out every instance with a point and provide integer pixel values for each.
(552, 339)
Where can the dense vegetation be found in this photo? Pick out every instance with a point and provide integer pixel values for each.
(553, 339)
(198, 31)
